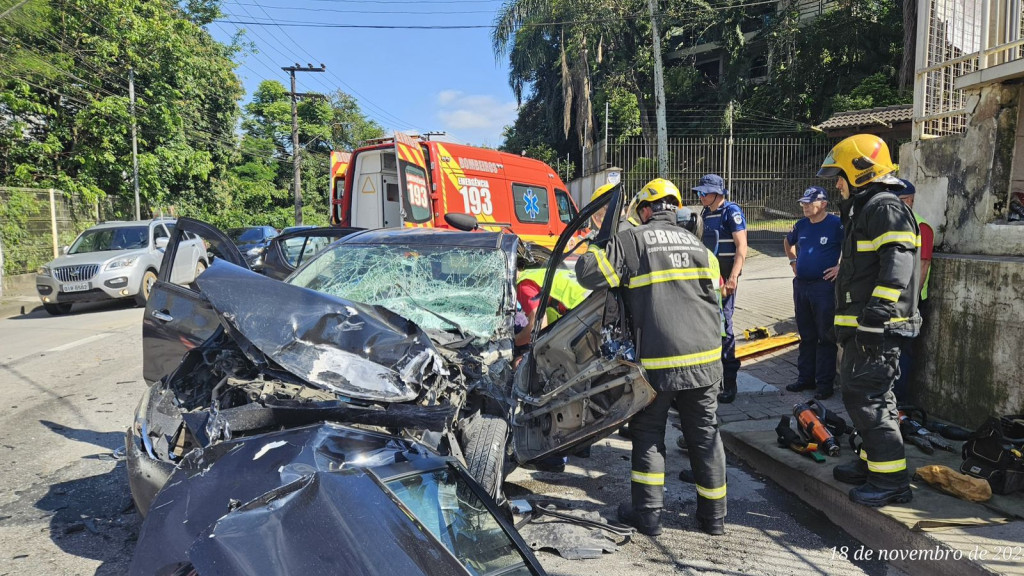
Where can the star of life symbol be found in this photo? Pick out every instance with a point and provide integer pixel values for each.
(532, 204)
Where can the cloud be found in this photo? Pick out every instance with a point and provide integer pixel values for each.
(478, 118)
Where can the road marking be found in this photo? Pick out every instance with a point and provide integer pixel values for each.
(86, 340)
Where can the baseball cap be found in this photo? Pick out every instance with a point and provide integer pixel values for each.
(686, 218)
(813, 194)
(710, 184)
(908, 191)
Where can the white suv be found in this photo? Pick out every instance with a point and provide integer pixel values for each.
(114, 260)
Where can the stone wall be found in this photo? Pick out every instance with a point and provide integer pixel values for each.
(971, 351)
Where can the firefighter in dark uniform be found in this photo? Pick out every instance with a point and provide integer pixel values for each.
(669, 293)
(876, 311)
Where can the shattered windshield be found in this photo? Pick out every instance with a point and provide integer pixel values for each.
(444, 288)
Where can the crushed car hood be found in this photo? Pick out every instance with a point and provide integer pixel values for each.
(353, 349)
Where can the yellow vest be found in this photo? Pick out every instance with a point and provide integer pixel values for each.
(565, 290)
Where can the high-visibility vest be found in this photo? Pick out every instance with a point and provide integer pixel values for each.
(924, 287)
(566, 292)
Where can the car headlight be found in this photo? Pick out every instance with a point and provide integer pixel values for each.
(126, 262)
(254, 252)
(43, 271)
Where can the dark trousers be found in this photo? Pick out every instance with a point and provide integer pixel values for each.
(902, 386)
(867, 380)
(730, 364)
(696, 408)
(815, 305)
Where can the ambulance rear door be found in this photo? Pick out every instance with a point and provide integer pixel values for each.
(413, 186)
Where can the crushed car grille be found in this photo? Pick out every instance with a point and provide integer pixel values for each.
(75, 273)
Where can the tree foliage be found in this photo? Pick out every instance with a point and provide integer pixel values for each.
(771, 63)
(66, 117)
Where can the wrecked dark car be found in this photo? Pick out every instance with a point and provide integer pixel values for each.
(407, 333)
(326, 499)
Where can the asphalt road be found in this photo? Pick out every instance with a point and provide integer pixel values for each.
(71, 384)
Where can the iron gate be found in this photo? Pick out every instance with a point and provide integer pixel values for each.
(764, 175)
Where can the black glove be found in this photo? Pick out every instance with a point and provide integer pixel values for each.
(870, 340)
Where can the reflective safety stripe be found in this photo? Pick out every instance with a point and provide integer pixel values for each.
(850, 321)
(711, 493)
(682, 361)
(890, 294)
(672, 275)
(650, 478)
(606, 268)
(888, 467)
(863, 454)
(909, 238)
(872, 329)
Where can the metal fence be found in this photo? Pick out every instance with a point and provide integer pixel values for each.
(764, 175)
(957, 39)
(37, 223)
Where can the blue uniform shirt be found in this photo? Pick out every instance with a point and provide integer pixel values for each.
(726, 220)
(818, 246)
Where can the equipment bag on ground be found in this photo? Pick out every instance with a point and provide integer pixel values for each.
(994, 452)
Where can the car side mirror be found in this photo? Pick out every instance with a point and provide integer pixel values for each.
(464, 222)
(65, 249)
(161, 243)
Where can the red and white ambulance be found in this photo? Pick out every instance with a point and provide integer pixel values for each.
(405, 181)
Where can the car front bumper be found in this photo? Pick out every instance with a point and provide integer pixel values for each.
(104, 285)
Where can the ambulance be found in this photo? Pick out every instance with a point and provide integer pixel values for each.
(404, 181)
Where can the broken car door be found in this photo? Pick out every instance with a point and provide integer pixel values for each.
(578, 381)
(178, 317)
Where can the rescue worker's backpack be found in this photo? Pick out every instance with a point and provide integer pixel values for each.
(994, 452)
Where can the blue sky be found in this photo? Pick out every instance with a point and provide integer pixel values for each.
(405, 79)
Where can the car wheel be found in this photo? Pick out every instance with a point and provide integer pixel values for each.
(148, 279)
(483, 441)
(57, 309)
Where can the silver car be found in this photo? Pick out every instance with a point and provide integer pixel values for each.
(115, 260)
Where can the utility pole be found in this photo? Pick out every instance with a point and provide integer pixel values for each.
(659, 95)
(135, 144)
(295, 135)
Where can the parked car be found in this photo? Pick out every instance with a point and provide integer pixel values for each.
(378, 504)
(115, 260)
(296, 245)
(409, 331)
(251, 242)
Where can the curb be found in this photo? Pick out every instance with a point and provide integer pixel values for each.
(873, 528)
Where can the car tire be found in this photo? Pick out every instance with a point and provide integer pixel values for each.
(57, 309)
(148, 279)
(483, 440)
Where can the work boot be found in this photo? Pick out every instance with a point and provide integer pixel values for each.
(869, 495)
(824, 394)
(686, 475)
(855, 472)
(712, 526)
(799, 387)
(646, 521)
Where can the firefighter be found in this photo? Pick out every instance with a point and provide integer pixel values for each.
(725, 219)
(598, 218)
(669, 293)
(876, 311)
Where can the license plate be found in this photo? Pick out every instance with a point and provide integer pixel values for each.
(74, 287)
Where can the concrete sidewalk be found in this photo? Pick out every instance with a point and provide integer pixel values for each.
(933, 535)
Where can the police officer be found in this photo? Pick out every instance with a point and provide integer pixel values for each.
(669, 294)
(725, 219)
(813, 247)
(876, 310)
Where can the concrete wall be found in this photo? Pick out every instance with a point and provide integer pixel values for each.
(970, 350)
